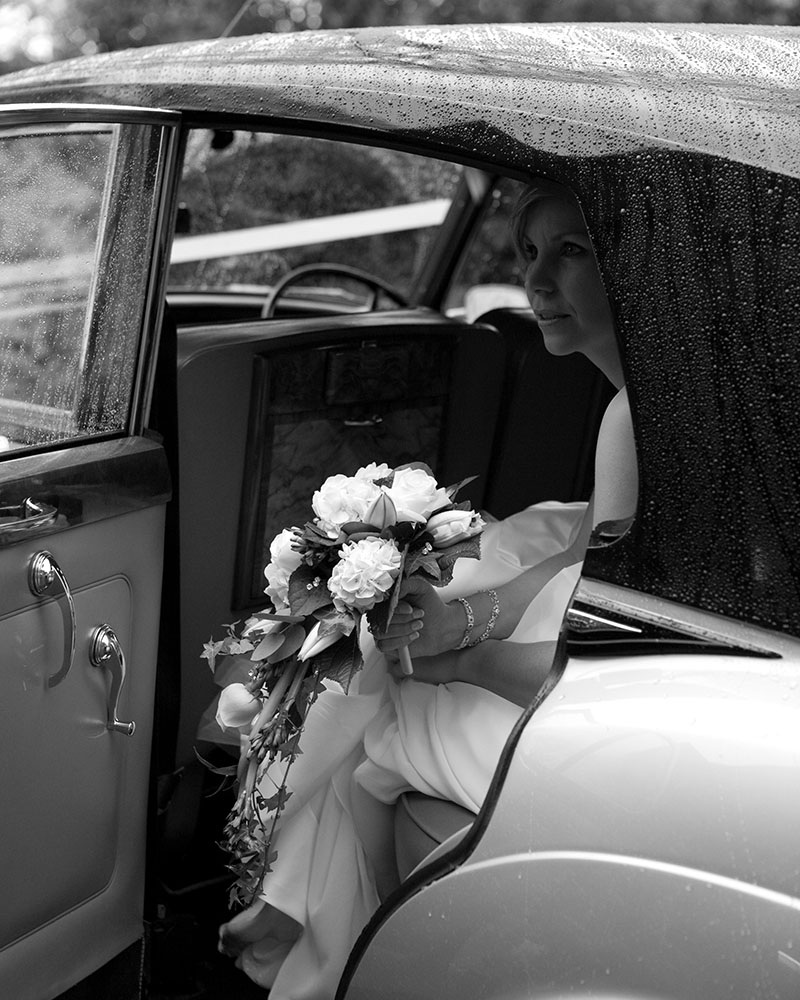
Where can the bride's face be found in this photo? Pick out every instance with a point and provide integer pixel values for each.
(564, 286)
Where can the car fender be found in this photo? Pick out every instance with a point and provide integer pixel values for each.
(637, 847)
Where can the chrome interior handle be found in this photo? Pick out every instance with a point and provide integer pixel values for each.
(43, 572)
(25, 516)
(372, 421)
(105, 650)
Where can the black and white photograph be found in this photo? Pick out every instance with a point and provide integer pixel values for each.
(400, 499)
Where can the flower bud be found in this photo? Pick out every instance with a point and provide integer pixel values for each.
(451, 526)
(382, 513)
(237, 707)
(315, 643)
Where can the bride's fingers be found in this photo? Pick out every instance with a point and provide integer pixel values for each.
(400, 628)
(388, 644)
(405, 611)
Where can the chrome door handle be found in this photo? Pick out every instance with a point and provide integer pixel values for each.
(26, 516)
(43, 572)
(105, 650)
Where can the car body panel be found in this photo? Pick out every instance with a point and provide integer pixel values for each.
(648, 812)
(550, 925)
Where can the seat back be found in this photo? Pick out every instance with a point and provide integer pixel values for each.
(548, 422)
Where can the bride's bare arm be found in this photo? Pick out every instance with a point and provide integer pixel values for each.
(513, 670)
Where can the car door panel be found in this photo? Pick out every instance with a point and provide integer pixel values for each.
(82, 511)
(75, 792)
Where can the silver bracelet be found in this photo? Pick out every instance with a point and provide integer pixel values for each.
(470, 622)
(492, 617)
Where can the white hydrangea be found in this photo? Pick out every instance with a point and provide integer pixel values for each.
(365, 573)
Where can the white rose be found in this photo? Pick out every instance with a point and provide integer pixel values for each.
(451, 526)
(416, 495)
(237, 707)
(284, 560)
(365, 573)
(373, 472)
(344, 498)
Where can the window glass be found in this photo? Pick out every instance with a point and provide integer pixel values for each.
(255, 206)
(489, 274)
(75, 212)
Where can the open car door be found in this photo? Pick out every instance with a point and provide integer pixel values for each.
(83, 496)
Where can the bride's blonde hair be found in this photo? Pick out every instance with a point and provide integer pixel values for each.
(538, 190)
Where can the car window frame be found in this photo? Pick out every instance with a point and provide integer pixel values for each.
(158, 242)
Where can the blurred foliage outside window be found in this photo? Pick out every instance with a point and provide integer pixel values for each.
(261, 179)
(50, 206)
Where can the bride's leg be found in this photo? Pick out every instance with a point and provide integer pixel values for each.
(260, 920)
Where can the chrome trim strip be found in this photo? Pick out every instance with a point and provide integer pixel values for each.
(691, 622)
(150, 335)
(582, 619)
(30, 114)
(644, 865)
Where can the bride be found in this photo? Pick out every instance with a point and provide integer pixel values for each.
(480, 648)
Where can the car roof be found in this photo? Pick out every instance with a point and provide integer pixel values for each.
(565, 89)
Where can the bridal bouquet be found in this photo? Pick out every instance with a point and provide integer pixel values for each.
(369, 533)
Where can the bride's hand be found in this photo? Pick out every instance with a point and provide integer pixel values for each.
(422, 621)
(441, 669)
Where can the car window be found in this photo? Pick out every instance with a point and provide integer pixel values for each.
(254, 206)
(70, 301)
(489, 274)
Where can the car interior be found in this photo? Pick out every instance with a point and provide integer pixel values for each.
(280, 367)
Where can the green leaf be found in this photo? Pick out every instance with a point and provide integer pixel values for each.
(470, 548)
(359, 527)
(427, 564)
(452, 490)
(342, 661)
(267, 646)
(307, 591)
(240, 646)
(252, 623)
(417, 465)
(403, 532)
(211, 650)
(380, 615)
(228, 771)
(293, 639)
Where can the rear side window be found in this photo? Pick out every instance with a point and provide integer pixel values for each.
(75, 233)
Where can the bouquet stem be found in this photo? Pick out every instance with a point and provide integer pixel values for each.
(270, 707)
(405, 661)
(274, 698)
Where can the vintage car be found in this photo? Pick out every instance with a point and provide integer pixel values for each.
(231, 268)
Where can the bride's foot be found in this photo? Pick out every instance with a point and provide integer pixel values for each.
(260, 920)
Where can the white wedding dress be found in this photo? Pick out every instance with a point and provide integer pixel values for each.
(363, 749)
